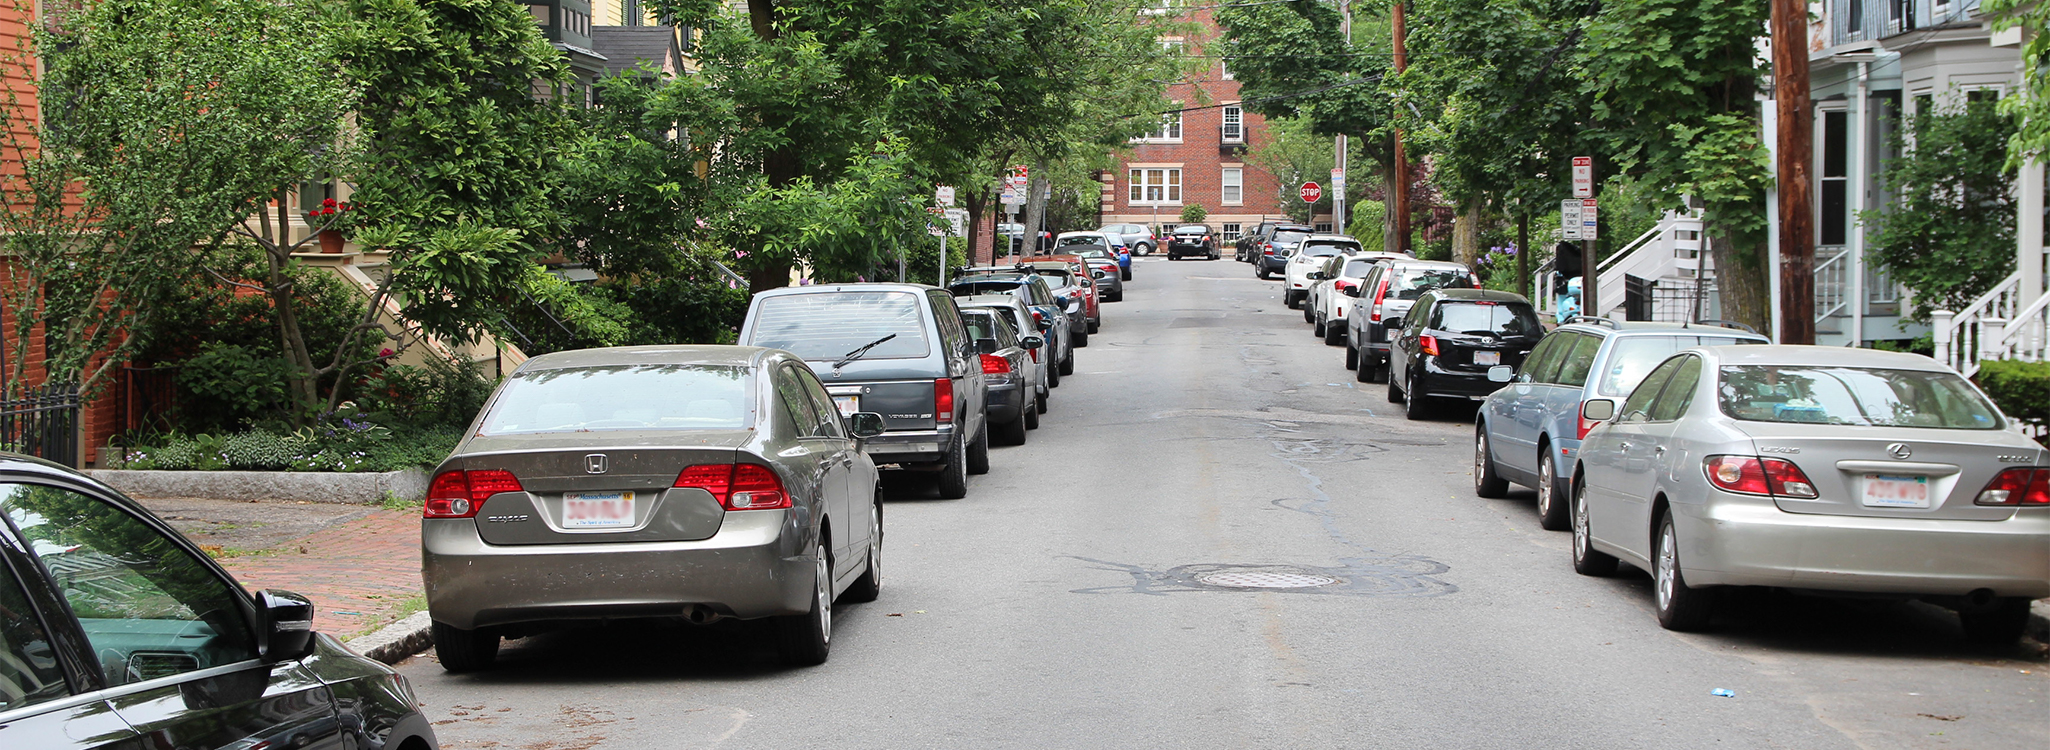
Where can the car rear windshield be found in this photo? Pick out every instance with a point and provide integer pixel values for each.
(1854, 396)
(621, 397)
(1345, 247)
(972, 288)
(1079, 240)
(827, 326)
(1634, 356)
(1412, 283)
(1498, 318)
(1290, 237)
(1318, 251)
(1198, 231)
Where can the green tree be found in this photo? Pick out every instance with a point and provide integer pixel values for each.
(1295, 155)
(1949, 235)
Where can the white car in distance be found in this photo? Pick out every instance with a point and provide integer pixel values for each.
(1310, 257)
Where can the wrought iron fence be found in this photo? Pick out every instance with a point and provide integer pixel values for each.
(43, 423)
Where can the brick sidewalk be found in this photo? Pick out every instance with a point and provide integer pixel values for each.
(357, 573)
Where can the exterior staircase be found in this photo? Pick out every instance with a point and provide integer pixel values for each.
(2000, 324)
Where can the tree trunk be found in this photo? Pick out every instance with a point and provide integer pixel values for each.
(975, 208)
(1390, 242)
(1740, 282)
(781, 164)
(1466, 235)
(1035, 206)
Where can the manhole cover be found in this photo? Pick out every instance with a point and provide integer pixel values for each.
(1248, 580)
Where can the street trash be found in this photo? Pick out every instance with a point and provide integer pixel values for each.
(1723, 693)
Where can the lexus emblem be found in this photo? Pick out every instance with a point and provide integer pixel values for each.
(595, 463)
(1900, 451)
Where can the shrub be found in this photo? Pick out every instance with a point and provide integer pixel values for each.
(1194, 213)
(2021, 389)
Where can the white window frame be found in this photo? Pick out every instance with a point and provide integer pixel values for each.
(1232, 230)
(1233, 127)
(1224, 69)
(1153, 185)
(1230, 179)
(1170, 130)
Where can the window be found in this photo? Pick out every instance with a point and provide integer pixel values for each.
(1538, 367)
(1854, 21)
(1854, 396)
(1152, 187)
(829, 411)
(543, 14)
(630, 13)
(1634, 356)
(1234, 124)
(798, 413)
(1574, 365)
(1833, 216)
(28, 662)
(1234, 191)
(1170, 130)
(1324, 227)
(1637, 408)
(826, 326)
(1224, 69)
(639, 397)
(1232, 232)
(1900, 15)
(1679, 392)
(149, 608)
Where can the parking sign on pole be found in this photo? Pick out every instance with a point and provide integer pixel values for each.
(1583, 177)
(1569, 218)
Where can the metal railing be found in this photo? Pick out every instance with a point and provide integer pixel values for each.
(1832, 280)
(43, 423)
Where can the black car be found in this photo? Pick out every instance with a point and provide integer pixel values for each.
(1248, 243)
(117, 632)
(1270, 253)
(1006, 356)
(899, 350)
(1049, 316)
(1192, 239)
(1446, 343)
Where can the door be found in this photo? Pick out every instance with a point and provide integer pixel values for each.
(963, 365)
(1619, 496)
(38, 706)
(818, 453)
(1514, 415)
(172, 641)
(1676, 457)
(857, 485)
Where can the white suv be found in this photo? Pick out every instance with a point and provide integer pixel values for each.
(1332, 294)
(1310, 257)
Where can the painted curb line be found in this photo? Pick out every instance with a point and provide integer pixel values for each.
(393, 643)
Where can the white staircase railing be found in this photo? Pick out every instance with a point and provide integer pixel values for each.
(1670, 250)
(1962, 337)
(1832, 275)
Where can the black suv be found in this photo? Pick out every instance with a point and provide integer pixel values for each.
(117, 632)
(900, 350)
(1192, 239)
(1446, 343)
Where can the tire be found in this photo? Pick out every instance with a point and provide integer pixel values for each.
(1040, 408)
(1551, 503)
(1394, 393)
(1067, 368)
(1352, 357)
(1680, 607)
(1124, 274)
(953, 477)
(1375, 369)
(1587, 560)
(1013, 432)
(1095, 325)
(464, 650)
(1317, 327)
(1333, 335)
(1031, 417)
(870, 584)
(1143, 249)
(1486, 483)
(1363, 372)
(1288, 299)
(1999, 625)
(1118, 297)
(1309, 311)
(1415, 405)
(806, 640)
(978, 451)
(1260, 269)
(1081, 342)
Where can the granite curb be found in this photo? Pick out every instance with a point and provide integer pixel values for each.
(392, 643)
(362, 488)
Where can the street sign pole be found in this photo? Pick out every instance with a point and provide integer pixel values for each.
(1590, 261)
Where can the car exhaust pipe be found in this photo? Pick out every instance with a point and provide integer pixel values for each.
(1980, 600)
(699, 614)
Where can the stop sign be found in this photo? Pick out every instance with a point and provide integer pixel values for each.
(1311, 192)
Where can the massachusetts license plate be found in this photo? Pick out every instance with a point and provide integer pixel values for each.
(848, 404)
(597, 510)
(1487, 358)
(1889, 491)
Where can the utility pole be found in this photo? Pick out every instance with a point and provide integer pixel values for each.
(1401, 191)
(1339, 174)
(1796, 126)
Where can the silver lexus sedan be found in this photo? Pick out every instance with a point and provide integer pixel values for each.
(687, 483)
(1823, 469)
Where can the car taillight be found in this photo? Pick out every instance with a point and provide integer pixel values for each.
(1429, 344)
(1759, 476)
(458, 494)
(995, 365)
(1345, 285)
(1380, 293)
(2017, 487)
(1585, 424)
(737, 486)
(943, 400)
(1267, 249)
(1206, 238)
(1034, 353)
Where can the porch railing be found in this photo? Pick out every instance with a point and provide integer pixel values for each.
(1960, 337)
(43, 422)
(1832, 280)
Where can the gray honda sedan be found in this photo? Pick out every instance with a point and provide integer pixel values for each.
(690, 483)
(1823, 469)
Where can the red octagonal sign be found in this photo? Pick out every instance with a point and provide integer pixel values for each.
(1311, 192)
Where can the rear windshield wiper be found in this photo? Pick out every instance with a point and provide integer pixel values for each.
(856, 354)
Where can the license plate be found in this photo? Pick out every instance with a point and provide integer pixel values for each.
(1889, 491)
(848, 404)
(597, 510)
(1487, 358)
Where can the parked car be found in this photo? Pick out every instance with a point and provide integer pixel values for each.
(1528, 432)
(1296, 272)
(1249, 243)
(118, 632)
(896, 349)
(1345, 243)
(1006, 360)
(1049, 312)
(1110, 284)
(1273, 249)
(1192, 239)
(1448, 343)
(1138, 237)
(1332, 290)
(1116, 242)
(1823, 469)
(1387, 292)
(1069, 275)
(707, 482)
(1038, 367)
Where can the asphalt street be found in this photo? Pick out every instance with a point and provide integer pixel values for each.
(1065, 602)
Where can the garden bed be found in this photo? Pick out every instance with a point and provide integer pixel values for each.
(361, 488)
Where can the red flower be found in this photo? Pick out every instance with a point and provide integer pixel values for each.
(327, 212)
(328, 202)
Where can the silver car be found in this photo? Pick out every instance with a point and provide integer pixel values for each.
(1815, 468)
(693, 483)
(1038, 368)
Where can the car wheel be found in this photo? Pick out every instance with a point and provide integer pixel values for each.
(1081, 342)
(805, 640)
(1095, 325)
(1260, 270)
(1680, 607)
(1317, 326)
(1124, 274)
(1067, 367)
(1363, 371)
(1551, 505)
(1486, 483)
(1039, 408)
(1999, 624)
(1352, 358)
(1144, 249)
(1118, 296)
(953, 478)
(1415, 405)
(1013, 432)
(978, 451)
(1333, 335)
(1394, 393)
(1309, 310)
(1288, 299)
(464, 650)
(1587, 560)
(870, 584)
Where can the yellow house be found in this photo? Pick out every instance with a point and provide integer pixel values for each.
(627, 34)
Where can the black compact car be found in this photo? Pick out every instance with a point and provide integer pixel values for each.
(1446, 343)
(1192, 239)
(117, 632)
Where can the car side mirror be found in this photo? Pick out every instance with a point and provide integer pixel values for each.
(987, 346)
(1352, 291)
(1501, 374)
(1391, 323)
(287, 625)
(1033, 342)
(1315, 276)
(864, 424)
(1098, 275)
(1598, 410)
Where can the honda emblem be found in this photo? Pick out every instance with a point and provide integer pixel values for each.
(595, 463)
